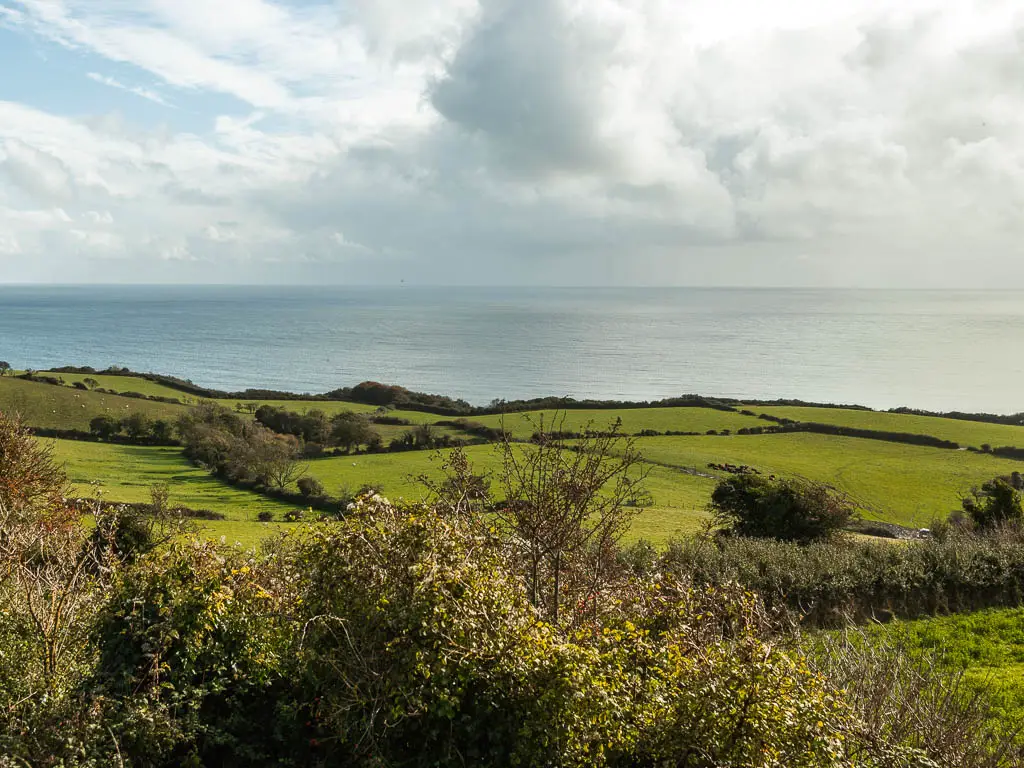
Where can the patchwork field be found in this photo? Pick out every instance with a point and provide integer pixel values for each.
(679, 497)
(634, 420)
(966, 433)
(893, 482)
(54, 407)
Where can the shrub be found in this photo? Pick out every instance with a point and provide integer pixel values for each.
(310, 486)
(425, 651)
(997, 502)
(782, 508)
(191, 659)
(265, 516)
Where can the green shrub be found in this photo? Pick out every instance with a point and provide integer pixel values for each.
(423, 650)
(785, 508)
(193, 652)
(996, 503)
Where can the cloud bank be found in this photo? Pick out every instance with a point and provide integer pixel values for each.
(519, 141)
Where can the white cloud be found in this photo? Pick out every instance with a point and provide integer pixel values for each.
(145, 93)
(538, 140)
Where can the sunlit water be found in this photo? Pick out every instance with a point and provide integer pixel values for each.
(938, 350)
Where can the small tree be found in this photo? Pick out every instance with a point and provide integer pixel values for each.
(460, 491)
(567, 505)
(5, 367)
(785, 508)
(997, 502)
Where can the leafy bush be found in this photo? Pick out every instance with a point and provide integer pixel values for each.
(783, 508)
(997, 502)
(192, 660)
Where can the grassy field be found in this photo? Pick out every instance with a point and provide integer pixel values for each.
(633, 420)
(53, 407)
(123, 384)
(679, 497)
(897, 483)
(987, 645)
(126, 473)
(966, 433)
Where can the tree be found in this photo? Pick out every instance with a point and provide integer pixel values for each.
(90, 382)
(137, 425)
(49, 577)
(997, 502)
(567, 505)
(350, 430)
(4, 367)
(779, 508)
(104, 427)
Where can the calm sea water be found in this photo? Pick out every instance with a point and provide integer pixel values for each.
(937, 350)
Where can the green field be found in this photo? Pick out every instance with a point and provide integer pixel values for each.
(679, 497)
(894, 482)
(634, 420)
(966, 433)
(126, 473)
(987, 645)
(123, 384)
(53, 407)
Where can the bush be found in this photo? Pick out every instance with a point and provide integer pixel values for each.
(784, 508)
(265, 516)
(458, 670)
(310, 486)
(997, 502)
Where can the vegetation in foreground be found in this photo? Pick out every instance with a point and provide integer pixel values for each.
(428, 634)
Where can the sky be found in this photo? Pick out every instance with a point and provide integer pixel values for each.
(860, 143)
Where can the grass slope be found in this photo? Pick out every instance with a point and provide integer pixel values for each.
(897, 483)
(633, 420)
(123, 384)
(126, 472)
(54, 407)
(966, 433)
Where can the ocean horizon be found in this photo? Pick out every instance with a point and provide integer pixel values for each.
(931, 349)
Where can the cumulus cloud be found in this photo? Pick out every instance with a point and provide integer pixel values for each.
(647, 141)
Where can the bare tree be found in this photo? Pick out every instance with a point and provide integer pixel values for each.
(460, 491)
(567, 504)
(49, 577)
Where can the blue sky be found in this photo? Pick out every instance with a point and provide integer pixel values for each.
(646, 142)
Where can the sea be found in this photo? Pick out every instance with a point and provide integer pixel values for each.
(935, 350)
